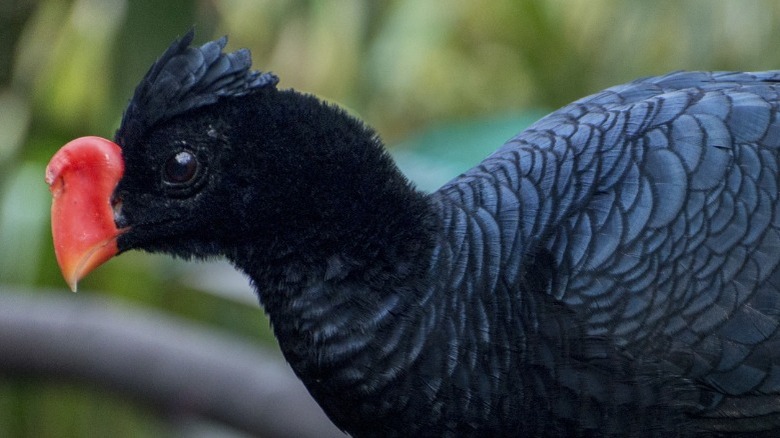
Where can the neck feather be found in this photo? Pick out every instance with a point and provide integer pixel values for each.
(348, 250)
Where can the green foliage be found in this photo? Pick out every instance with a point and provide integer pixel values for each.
(478, 70)
(32, 408)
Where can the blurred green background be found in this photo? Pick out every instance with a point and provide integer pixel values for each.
(443, 82)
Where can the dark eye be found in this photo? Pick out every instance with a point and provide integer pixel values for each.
(181, 168)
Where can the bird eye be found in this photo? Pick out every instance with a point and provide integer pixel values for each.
(181, 168)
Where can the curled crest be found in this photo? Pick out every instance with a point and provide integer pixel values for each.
(185, 78)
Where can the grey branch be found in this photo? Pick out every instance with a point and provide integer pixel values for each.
(169, 363)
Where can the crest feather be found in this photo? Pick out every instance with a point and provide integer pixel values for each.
(185, 78)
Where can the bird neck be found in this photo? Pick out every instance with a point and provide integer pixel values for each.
(346, 318)
(347, 246)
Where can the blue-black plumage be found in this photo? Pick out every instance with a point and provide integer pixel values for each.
(610, 271)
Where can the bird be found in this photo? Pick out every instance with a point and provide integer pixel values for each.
(612, 270)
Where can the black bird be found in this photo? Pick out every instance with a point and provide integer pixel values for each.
(610, 271)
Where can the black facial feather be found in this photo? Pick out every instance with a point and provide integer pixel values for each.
(184, 78)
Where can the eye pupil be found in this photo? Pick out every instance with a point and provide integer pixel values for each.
(181, 168)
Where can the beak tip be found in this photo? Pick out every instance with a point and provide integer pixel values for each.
(77, 261)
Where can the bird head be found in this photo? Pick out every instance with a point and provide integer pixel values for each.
(211, 159)
(143, 190)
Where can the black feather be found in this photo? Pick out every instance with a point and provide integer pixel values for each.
(185, 78)
(614, 270)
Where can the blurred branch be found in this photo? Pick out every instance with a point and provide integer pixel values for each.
(171, 364)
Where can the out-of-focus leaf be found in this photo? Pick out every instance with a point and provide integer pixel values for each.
(13, 123)
(67, 68)
(442, 152)
(23, 219)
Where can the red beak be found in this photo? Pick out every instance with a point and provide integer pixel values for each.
(82, 175)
